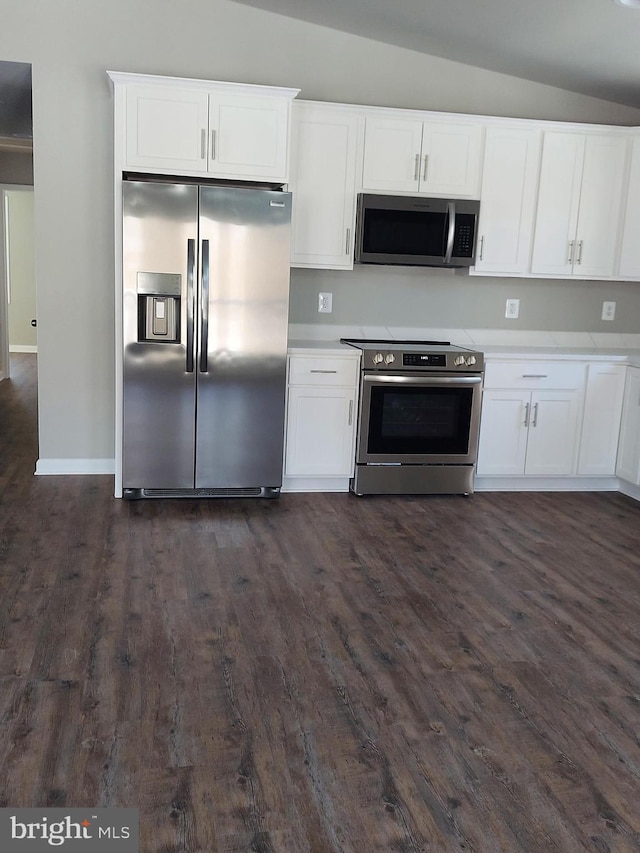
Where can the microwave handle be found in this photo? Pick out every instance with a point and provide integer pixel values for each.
(451, 215)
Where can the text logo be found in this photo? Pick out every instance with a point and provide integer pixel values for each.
(108, 830)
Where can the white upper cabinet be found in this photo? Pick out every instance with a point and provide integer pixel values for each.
(508, 197)
(579, 204)
(248, 136)
(433, 157)
(167, 128)
(227, 130)
(629, 266)
(323, 170)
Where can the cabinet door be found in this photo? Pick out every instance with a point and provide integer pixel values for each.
(601, 420)
(323, 168)
(509, 180)
(553, 433)
(248, 136)
(166, 129)
(629, 449)
(503, 433)
(320, 432)
(600, 205)
(392, 158)
(450, 159)
(629, 266)
(558, 202)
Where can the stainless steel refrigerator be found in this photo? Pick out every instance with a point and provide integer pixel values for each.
(206, 293)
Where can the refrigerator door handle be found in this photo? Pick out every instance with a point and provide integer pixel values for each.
(191, 272)
(204, 310)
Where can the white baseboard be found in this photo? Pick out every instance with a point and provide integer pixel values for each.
(630, 490)
(20, 348)
(75, 466)
(546, 484)
(315, 484)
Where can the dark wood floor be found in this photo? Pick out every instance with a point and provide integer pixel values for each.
(320, 673)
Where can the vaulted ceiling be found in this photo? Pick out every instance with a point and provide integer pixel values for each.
(586, 46)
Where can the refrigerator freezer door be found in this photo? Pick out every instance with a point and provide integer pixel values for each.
(159, 248)
(244, 233)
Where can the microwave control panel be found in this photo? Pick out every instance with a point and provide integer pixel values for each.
(463, 238)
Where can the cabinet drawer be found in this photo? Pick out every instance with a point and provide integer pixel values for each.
(534, 374)
(314, 370)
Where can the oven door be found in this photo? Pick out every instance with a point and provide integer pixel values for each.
(419, 419)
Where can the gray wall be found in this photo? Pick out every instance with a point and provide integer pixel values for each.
(71, 44)
(394, 296)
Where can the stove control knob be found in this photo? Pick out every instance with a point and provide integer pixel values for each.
(389, 358)
(471, 360)
(458, 360)
(378, 358)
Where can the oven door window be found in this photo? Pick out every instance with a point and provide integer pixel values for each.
(413, 421)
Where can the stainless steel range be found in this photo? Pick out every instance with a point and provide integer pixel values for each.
(419, 416)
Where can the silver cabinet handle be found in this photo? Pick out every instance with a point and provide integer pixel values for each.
(579, 258)
(213, 145)
(526, 414)
(191, 274)
(416, 171)
(481, 248)
(347, 242)
(572, 244)
(535, 415)
(350, 412)
(204, 310)
(534, 375)
(203, 144)
(322, 371)
(426, 165)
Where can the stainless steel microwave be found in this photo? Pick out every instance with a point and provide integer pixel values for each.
(416, 231)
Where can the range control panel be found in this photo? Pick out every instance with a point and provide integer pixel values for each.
(436, 356)
(414, 359)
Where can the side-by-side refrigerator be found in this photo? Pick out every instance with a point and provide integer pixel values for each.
(205, 307)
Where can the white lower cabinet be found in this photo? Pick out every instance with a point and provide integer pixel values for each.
(321, 416)
(628, 467)
(601, 420)
(557, 419)
(530, 424)
(529, 433)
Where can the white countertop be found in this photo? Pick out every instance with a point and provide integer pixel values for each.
(495, 344)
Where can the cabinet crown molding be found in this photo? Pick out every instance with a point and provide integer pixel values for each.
(124, 78)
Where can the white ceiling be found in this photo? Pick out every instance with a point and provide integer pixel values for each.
(586, 46)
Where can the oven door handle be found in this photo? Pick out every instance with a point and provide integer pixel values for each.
(423, 379)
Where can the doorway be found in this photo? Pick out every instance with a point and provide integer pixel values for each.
(19, 268)
(17, 284)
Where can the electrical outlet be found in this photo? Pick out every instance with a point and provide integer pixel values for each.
(512, 311)
(608, 310)
(325, 303)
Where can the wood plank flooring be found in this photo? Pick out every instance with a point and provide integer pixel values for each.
(320, 673)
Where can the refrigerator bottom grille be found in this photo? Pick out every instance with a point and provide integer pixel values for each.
(253, 492)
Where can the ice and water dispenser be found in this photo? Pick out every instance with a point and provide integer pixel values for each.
(159, 307)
